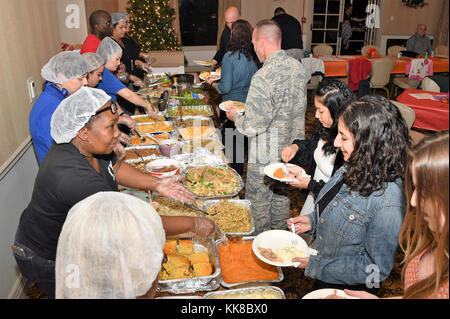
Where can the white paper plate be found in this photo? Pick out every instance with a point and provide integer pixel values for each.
(322, 293)
(211, 73)
(276, 239)
(270, 169)
(225, 105)
(161, 163)
(204, 63)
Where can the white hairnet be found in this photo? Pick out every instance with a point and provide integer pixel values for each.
(108, 48)
(110, 247)
(116, 17)
(74, 112)
(64, 66)
(94, 60)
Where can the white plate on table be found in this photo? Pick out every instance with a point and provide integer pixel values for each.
(276, 239)
(229, 105)
(270, 169)
(205, 78)
(322, 293)
(204, 63)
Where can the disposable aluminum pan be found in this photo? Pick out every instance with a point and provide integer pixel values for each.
(235, 193)
(280, 278)
(198, 119)
(156, 132)
(242, 202)
(207, 108)
(192, 285)
(229, 294)
(140, 147)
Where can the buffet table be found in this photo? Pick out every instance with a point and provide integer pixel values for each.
(432, 109)
(336, 66)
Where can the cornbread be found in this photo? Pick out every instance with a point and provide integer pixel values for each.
(197, 258)
(185, 247)
(202, 269)
(170, 247)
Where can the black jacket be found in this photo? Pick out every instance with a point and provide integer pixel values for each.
(291, 31)
(224, 39)
(305, 158)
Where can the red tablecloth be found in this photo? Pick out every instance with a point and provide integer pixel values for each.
(338, 68)
(430, 114)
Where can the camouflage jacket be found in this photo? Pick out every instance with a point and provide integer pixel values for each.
(275, 108)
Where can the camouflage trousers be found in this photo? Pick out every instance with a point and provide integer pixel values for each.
(269, 198)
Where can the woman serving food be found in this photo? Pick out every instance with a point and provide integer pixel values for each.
(80, 164)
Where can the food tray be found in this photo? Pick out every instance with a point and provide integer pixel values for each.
(151, 142)
(144, 157)
(148, 158)
(197, 120)
(280, 278)
(235, 193)
(158, 131)
(213, 139)
(242, 202)
(207, 108)
(211, 295)
(191, 285)
(136, 117)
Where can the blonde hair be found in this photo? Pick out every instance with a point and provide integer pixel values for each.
(428, 161)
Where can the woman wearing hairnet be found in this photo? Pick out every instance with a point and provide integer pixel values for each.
(65, 73)
(126, 258)
(82, 163)
(111, 53)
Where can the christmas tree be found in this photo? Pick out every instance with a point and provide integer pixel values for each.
(151, 24)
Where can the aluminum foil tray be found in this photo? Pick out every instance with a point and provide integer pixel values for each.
(242, 202)
(191, 285)
(231, 293)
(280, 278)
(139, 147)
(157, 132)
(195, 107)
(235, 193)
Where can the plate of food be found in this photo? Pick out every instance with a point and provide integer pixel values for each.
(213, 76)
(163, 168)
(278, 247)
(328, 294)
(232, 105)
(276, 171)
(204, 63)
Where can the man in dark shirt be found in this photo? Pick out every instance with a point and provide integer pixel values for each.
(291, 30)
(231, 14)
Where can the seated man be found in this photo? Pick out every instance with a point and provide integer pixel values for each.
(419, 42)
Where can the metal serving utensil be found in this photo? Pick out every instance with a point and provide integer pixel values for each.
(138, 154)
(139, 135)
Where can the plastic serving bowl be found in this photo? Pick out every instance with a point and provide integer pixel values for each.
(152, 166)
(169, 147)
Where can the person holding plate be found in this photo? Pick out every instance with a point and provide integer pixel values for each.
(82, 163)
(358, 214)
(317, 154)
(238, 68)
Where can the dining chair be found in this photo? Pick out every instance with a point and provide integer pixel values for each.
(366, 48)
(403, 82)
(395, 49)
(408, 113)
(429, 85)
(441, 50)
(322, 49)
(381, 73)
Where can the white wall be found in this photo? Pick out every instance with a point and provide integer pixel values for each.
(15, 193)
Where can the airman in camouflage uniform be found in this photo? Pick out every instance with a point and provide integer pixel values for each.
(274, 117)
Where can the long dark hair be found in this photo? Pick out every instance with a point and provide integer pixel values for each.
(381, 140)
(335, 95)
(241, 39)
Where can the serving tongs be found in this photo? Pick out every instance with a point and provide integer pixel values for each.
(194, 207)
(138, 154)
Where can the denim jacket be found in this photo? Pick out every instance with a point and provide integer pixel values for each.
(356, 237)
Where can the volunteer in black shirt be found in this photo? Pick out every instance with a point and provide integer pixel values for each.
(82, 163)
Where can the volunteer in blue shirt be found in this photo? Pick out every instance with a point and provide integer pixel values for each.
(111, 53)
(65, 73)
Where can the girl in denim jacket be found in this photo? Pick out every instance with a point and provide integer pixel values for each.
(358, 214)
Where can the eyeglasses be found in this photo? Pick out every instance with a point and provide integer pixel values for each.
(112, 107)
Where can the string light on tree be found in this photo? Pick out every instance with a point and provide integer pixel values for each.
(151, 24)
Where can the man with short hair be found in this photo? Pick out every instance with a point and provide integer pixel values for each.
(231, 15)
(274, 117)
(419, 43)
(101, 27)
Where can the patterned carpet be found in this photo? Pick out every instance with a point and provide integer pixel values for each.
(295, 284)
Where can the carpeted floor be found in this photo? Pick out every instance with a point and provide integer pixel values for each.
(295, 284)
